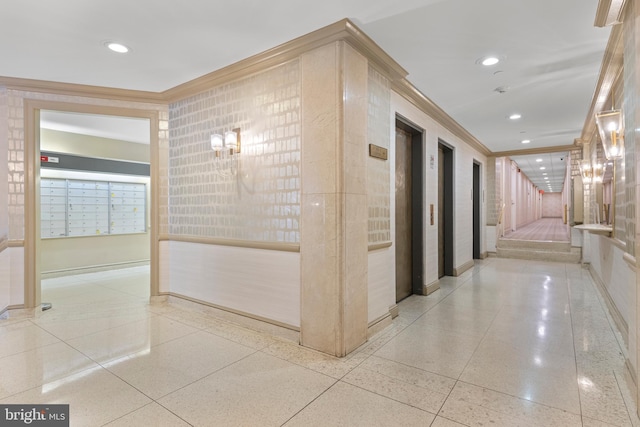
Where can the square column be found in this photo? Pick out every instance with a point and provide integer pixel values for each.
(333, 230)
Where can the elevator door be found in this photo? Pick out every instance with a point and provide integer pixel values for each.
(476, 211)
(440, 212)
(403, 215)
(445, 211)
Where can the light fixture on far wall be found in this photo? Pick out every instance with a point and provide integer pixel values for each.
(598, 172)
(227, 144)
(227, 148)
(586, 170)
(611, 129)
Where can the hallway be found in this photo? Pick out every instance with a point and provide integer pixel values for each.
(508, 343)
(544, 229)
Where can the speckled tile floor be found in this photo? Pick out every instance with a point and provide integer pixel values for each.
(508, 343)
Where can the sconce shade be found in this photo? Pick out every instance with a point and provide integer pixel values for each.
(598, 172)
(611, 128)
(217, 142)
(231, 141)
(586, 170)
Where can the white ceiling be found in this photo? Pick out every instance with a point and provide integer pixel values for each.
(549, 179)
(551, 50)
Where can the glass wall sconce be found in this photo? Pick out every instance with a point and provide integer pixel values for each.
(611, 129)
(226, 148)
(586, 170)
(598, 172)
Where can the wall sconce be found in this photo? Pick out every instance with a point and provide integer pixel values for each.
(611, 128)
(598, 172)
(226, 148)
(229, 143)
(586, 170)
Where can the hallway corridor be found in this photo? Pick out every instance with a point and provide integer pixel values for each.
(508, 343)
(544, 229)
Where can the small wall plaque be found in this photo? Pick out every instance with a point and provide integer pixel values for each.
(377, 152)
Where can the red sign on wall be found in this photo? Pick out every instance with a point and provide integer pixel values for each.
(49, 159)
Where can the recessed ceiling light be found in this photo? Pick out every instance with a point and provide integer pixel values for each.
(515, 116)
(546, 178)
(490, 60)
(538, 160)
(544, 174)
(117, 47)
(526, 141)
(542, 168)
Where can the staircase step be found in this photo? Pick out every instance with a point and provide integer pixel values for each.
(574, 255)
(537, 245)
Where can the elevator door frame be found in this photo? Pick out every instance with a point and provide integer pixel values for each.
(417, 203)
(477, 209)
(447, 220)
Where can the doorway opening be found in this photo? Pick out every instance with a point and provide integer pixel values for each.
(445, 210)
(409, 208)
(56, 156)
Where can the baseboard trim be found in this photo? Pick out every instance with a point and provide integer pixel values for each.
(394, 310)
(18, 311)
(379, 324)
(431, 288)
(464, 267)
(613, 310)
(92, 269)
(233, 311)
(632, 373)
(484, 255)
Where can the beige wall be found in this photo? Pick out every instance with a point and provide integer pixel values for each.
(81, 253)
(552, 205)
(5, 291)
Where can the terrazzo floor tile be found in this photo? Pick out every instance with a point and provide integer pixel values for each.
(94, 396)
(431, 349)
(407, 385)
(88, 324)
(17, 337)
(316, 361)
(260, 390)
(538, 376)
(346, 405)
(149, 415)
(602, 400)
(473, 405)
(132, 338)
(33, 368)
(169, 366)
(444, 422)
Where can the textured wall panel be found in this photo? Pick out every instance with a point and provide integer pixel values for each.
(378, 184)
(262, 201)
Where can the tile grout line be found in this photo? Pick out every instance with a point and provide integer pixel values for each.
(573, 340)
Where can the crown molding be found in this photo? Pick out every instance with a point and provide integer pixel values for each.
(73, 89)
(609, 12)
(407, 90)
(343, 30)
(539, 150)
(610, 71)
